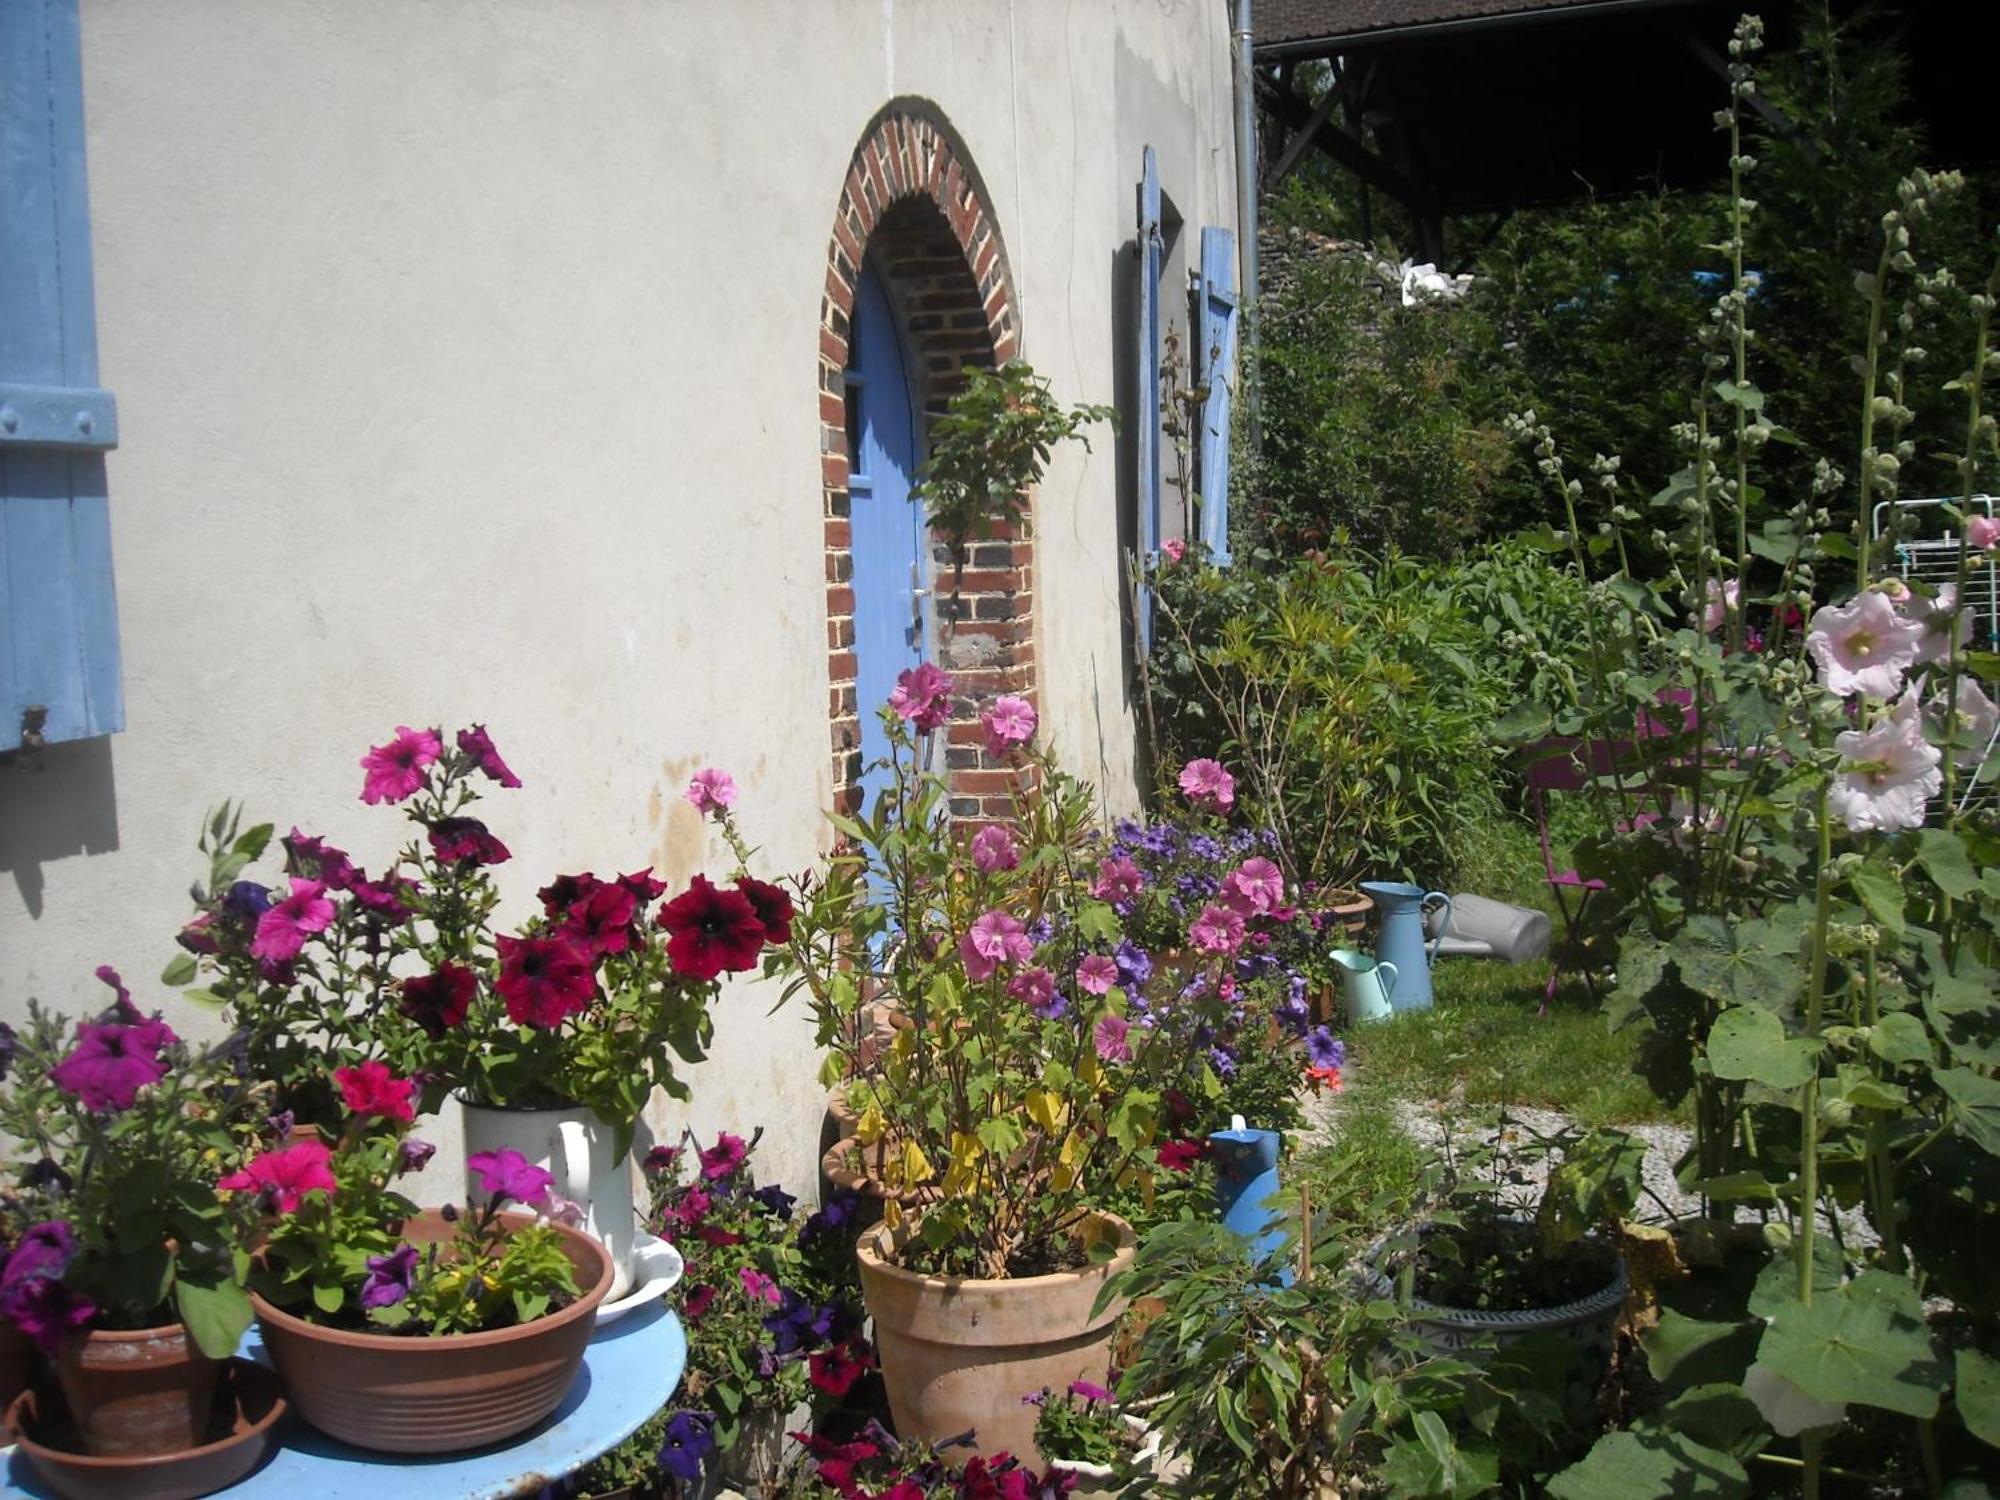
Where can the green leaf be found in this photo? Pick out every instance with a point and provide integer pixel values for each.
(1864, 1344)
(1651, 1466)
(1978, 1395)
(328, 1297)
(1975, 1100)
(1749, 1044)
(1880, 890)
(216, 1313)
(1942, 854)
(1960, 1009)
(1718, 1416)
(1523, 724)
(1747, 963)
(1690, 1351)
(1745, 395)
(1899, 1037)
(180, 970)
(1737, 1187)
(204, 997)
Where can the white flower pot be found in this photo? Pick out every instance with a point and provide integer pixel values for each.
(576, 1148)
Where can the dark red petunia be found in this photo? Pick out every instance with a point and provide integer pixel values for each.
(1179, 1156)
(466, 841)
(560, 894)
(643, 886)
(437, 1002)
(602, 920)
(774, 908)
(712, 930)
(544, 979)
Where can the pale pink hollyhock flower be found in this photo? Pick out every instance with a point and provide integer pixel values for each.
(1886, 775)
(1175, 548)
(1255, 887)
(1097, 974)
(1008, 721)
(1111, 1038)
(922, 695)
(1977, 717)
(1863, 646)
(1205, 783)
(1722, 598)
(396, 769)
(993, 849)
(1034, 988)
(285, 925)
(1936, 618)
(711, 791)
(1219, 929)
(1983, 531)
(1118, 879)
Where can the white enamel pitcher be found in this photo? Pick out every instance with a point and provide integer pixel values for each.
(574, 1147)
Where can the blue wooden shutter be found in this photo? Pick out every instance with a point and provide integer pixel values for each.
(58, 615)
(1218, 374)
(1152, 256)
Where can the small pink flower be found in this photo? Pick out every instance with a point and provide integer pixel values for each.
(1983, 532)
(1111, 1038)
(993, 849)
(1206, 783)
(1886, 775)
(1255, 888)
(1008, 721)
(1175, 548)
(1863, 646)
(285, 925)
(1001, 938)
(1097, 974)
(1118, 879)
(922, 695)
(724, 1157)
(758, 1287)
(1219, 929)
(1722, 598)
(396, 769)
(711, 792)
(1034, 988)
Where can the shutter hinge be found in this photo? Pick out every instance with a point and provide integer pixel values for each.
(57, 416)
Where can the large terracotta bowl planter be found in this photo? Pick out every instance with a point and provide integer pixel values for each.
(414, 1394)
(959, 1353)
(137, 1391)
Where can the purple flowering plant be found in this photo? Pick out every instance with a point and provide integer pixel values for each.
(594, 1000)
(321, 1228)
(115, 1124)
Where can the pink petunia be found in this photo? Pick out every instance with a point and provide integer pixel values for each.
(1206, 783)
(1255, 888)
(994, 849)
(396, 770)
(1118, 879)
(1863, 646)
(285, 925)
(724, 1157)
(1008, 721)
(922, 695)
(711, 792)
(1111, 1038)
(286, 1175)
(1219, 929)
(1097, 974)
(1175, 548)
(477, 746)
(371, 1089)
(758, 1287)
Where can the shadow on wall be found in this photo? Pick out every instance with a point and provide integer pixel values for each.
(55, 803)
(1125, 400)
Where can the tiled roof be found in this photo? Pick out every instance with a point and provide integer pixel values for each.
(1279, 23)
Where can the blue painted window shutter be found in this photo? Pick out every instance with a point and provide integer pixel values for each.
(1218, 374)
(1152, 257)
(59, 670)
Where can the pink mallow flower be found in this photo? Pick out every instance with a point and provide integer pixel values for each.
(922, 695)
(1175, 548)
(994, 849)
(1886, 775)
(1219, 929)
(711, 792)
(1206, 783)
(995, 938)
(1863, 646)
(1721, 599)
(1112, 1039)
(1118, 879)
(1034, 988)
(1255, 888)
(1983, 532)
(1008, 721)
(285, 925)
(1097, 974)
(396, 769)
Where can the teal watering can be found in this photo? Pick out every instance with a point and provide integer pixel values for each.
(1401, 942)
(1363, 987)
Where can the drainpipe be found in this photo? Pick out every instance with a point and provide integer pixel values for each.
(1246, 211)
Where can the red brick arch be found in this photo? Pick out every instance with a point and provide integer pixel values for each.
(913, 200)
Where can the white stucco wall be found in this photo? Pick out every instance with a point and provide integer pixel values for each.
(465, 361)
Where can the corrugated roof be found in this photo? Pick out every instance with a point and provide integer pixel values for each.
(1286, 23)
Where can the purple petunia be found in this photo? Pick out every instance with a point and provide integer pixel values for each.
(509, 1176)
(391, 1277)
(690, 1439)
(836, 1213)
(110, 1064)
(1324, 1049)
(774, 1200)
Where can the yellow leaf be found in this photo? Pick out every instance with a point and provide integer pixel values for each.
(892, 1213)
(1045, 1109)
(965, 1149)
(871, 1126)
(916, 1166)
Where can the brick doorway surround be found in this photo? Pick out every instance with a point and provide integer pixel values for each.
(913, 204)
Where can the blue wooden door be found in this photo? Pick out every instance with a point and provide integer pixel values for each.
(888, 523)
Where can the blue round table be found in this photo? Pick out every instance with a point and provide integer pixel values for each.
(629, 1371)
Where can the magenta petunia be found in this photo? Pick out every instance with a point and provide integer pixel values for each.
(316, 859)
(283, 929)
(285, 1176)
(1008, 721)
(544, 980)
(32, 1294)
(922, 695)
(758, 1287)
(508, 1175)
(396, 770)
(724, 1157)
(477, 746)
(386, 900)
(437, 1002)
(1112, 1039)
(602, 920)
(371, 1089)
(994, 849)
(711, 792)
(1097, 974)
(110, 1064)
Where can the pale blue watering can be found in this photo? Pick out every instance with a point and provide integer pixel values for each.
(1401, 941)
(1365, 985)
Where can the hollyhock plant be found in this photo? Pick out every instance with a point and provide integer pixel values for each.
(595, 999)
(1721, 599)
(1863, 646)
(1983, 532)
(1886, 775)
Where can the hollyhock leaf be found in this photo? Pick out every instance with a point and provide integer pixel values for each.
(1864, 1343)
(1978, 1395)
(1651, 1466)
(1877, 886)
(1960, 1009)
(1975, 1101)
(1747, 1043)
(1899, 1037)
(1942, 854)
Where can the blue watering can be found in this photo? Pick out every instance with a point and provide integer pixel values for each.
(1366, 986)
(1246, 1179)
(1402, 938)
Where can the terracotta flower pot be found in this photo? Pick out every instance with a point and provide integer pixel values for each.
(839, 1173)
(1350, 909)
(134, 1391)
(959, 1352)
(416, 1394)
